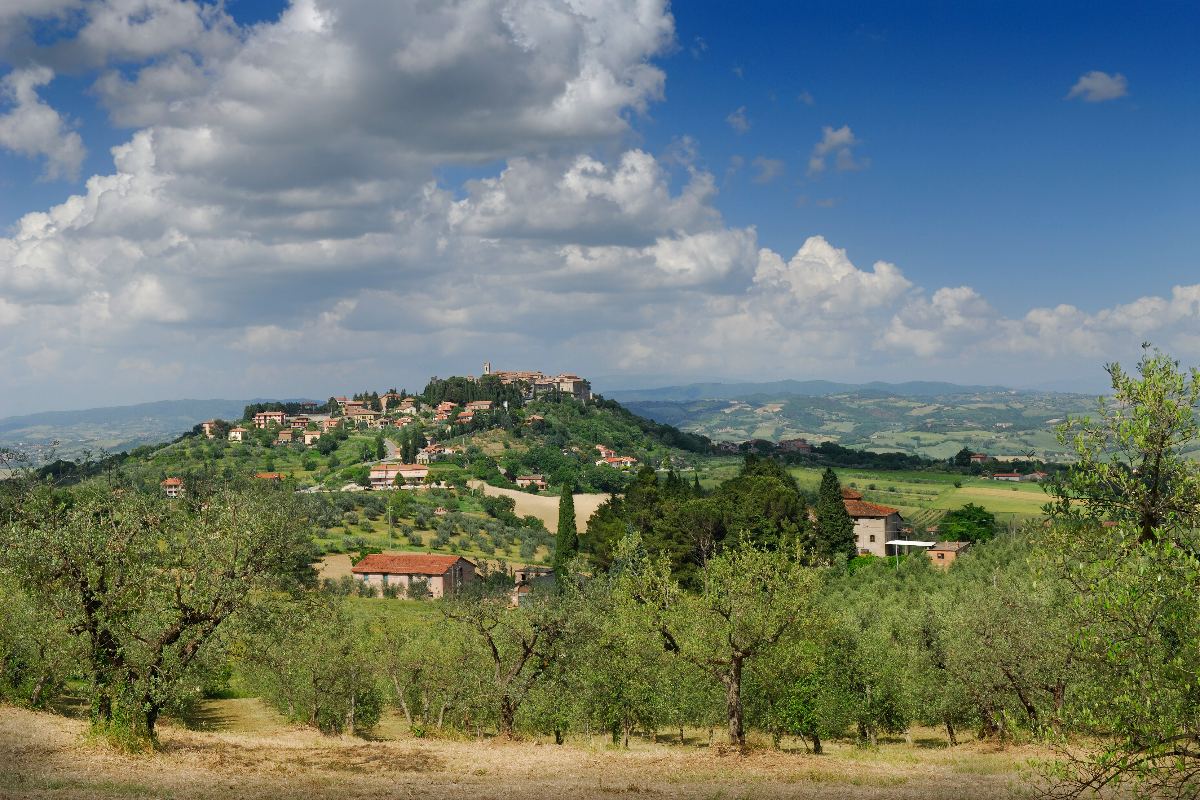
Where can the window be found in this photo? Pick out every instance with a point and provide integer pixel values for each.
(941, 555)
(872, 537)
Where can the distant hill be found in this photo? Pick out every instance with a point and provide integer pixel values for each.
(113, 428)
(930, 419)
(818, 388)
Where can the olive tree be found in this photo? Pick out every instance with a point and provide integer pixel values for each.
(144, 584)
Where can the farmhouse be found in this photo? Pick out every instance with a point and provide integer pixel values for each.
(874, 524)
(536, 481)
(172, 487)
(270, 477)
(1036, 477)
(285, 435)
(479, 405)
(238, 434)
(300, 422)
(1006, 476)
(979, 458)
(442, 574)
(619, 462)
(943, 554)
(387, 475)
(311, 437)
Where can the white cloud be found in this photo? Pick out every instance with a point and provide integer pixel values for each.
(838, 142)
(1098, 87)
(34, 129)
(737, 120)
(285, 219)
(768, 169)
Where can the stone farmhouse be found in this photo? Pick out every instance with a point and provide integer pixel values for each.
(874, 524)
(443, 574)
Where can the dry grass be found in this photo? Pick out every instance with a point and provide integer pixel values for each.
(247, 752)
(545, 507)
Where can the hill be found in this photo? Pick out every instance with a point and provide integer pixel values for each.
(818, 388)
(926, 419)
(112, 428)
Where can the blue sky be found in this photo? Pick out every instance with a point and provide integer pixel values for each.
(630, 190)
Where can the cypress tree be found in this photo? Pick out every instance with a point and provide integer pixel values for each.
(834, 532)
(566, 543)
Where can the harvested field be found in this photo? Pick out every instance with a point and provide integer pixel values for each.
(245, 752)
(545, 507)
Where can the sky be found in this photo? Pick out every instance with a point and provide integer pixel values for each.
(304, 198)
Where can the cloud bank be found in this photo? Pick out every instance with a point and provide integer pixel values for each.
(368, 192)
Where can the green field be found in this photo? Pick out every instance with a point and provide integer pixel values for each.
(922, 497)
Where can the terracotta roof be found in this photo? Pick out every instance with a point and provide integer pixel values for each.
(270, 476)
(850, 494)
(173, 482)
(861, 509)
(953, 547)
(406, 564)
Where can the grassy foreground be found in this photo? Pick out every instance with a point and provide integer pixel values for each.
(239, 749)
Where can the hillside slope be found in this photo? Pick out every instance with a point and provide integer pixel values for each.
(999, 422)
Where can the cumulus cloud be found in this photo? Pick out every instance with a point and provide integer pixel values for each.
(1098, 87)
(838, 143)
(34, 129)
(288, 216)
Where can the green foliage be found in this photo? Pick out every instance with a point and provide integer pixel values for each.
(833, 534)
(566, 541)
(145, 585)
(971, 523)
(1134, 600)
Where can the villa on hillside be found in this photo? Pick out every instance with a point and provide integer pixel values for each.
(238, 434)
(442, 574)
(536, 481)
(172, 487)
(209, 427)
(311, 437)
(874, 524)
(388, 475)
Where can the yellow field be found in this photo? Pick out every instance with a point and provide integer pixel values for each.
(545, 507)
(244, 751)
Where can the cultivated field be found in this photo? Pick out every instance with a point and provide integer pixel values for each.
(243, 750)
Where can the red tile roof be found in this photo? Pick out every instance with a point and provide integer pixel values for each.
(850, 494)
(173, 482)
(406, 564)
(861, 509)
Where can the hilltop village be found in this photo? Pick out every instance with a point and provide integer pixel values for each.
(465, 444)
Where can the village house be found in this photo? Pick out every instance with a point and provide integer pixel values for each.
(605, 451)
(270, 477)
(362, 415)
(1006, 476)
(874, 524)
(536, 481)
(388, 474)
(172, 487)
(538, 383)
(285, 436)
(238, 434)
(329, 423)
(980, 458)
(209, 427)
(794, 446)
(618, 462)
(943, 554)
(265, 418)
(299, 422)
(464, 418)
(311, 437)
(389, 399)
(433, 452)
(1036, 477)
(532, 418)
(443, 574)
(479, 405)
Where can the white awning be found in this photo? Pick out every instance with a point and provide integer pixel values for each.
(910, 543)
